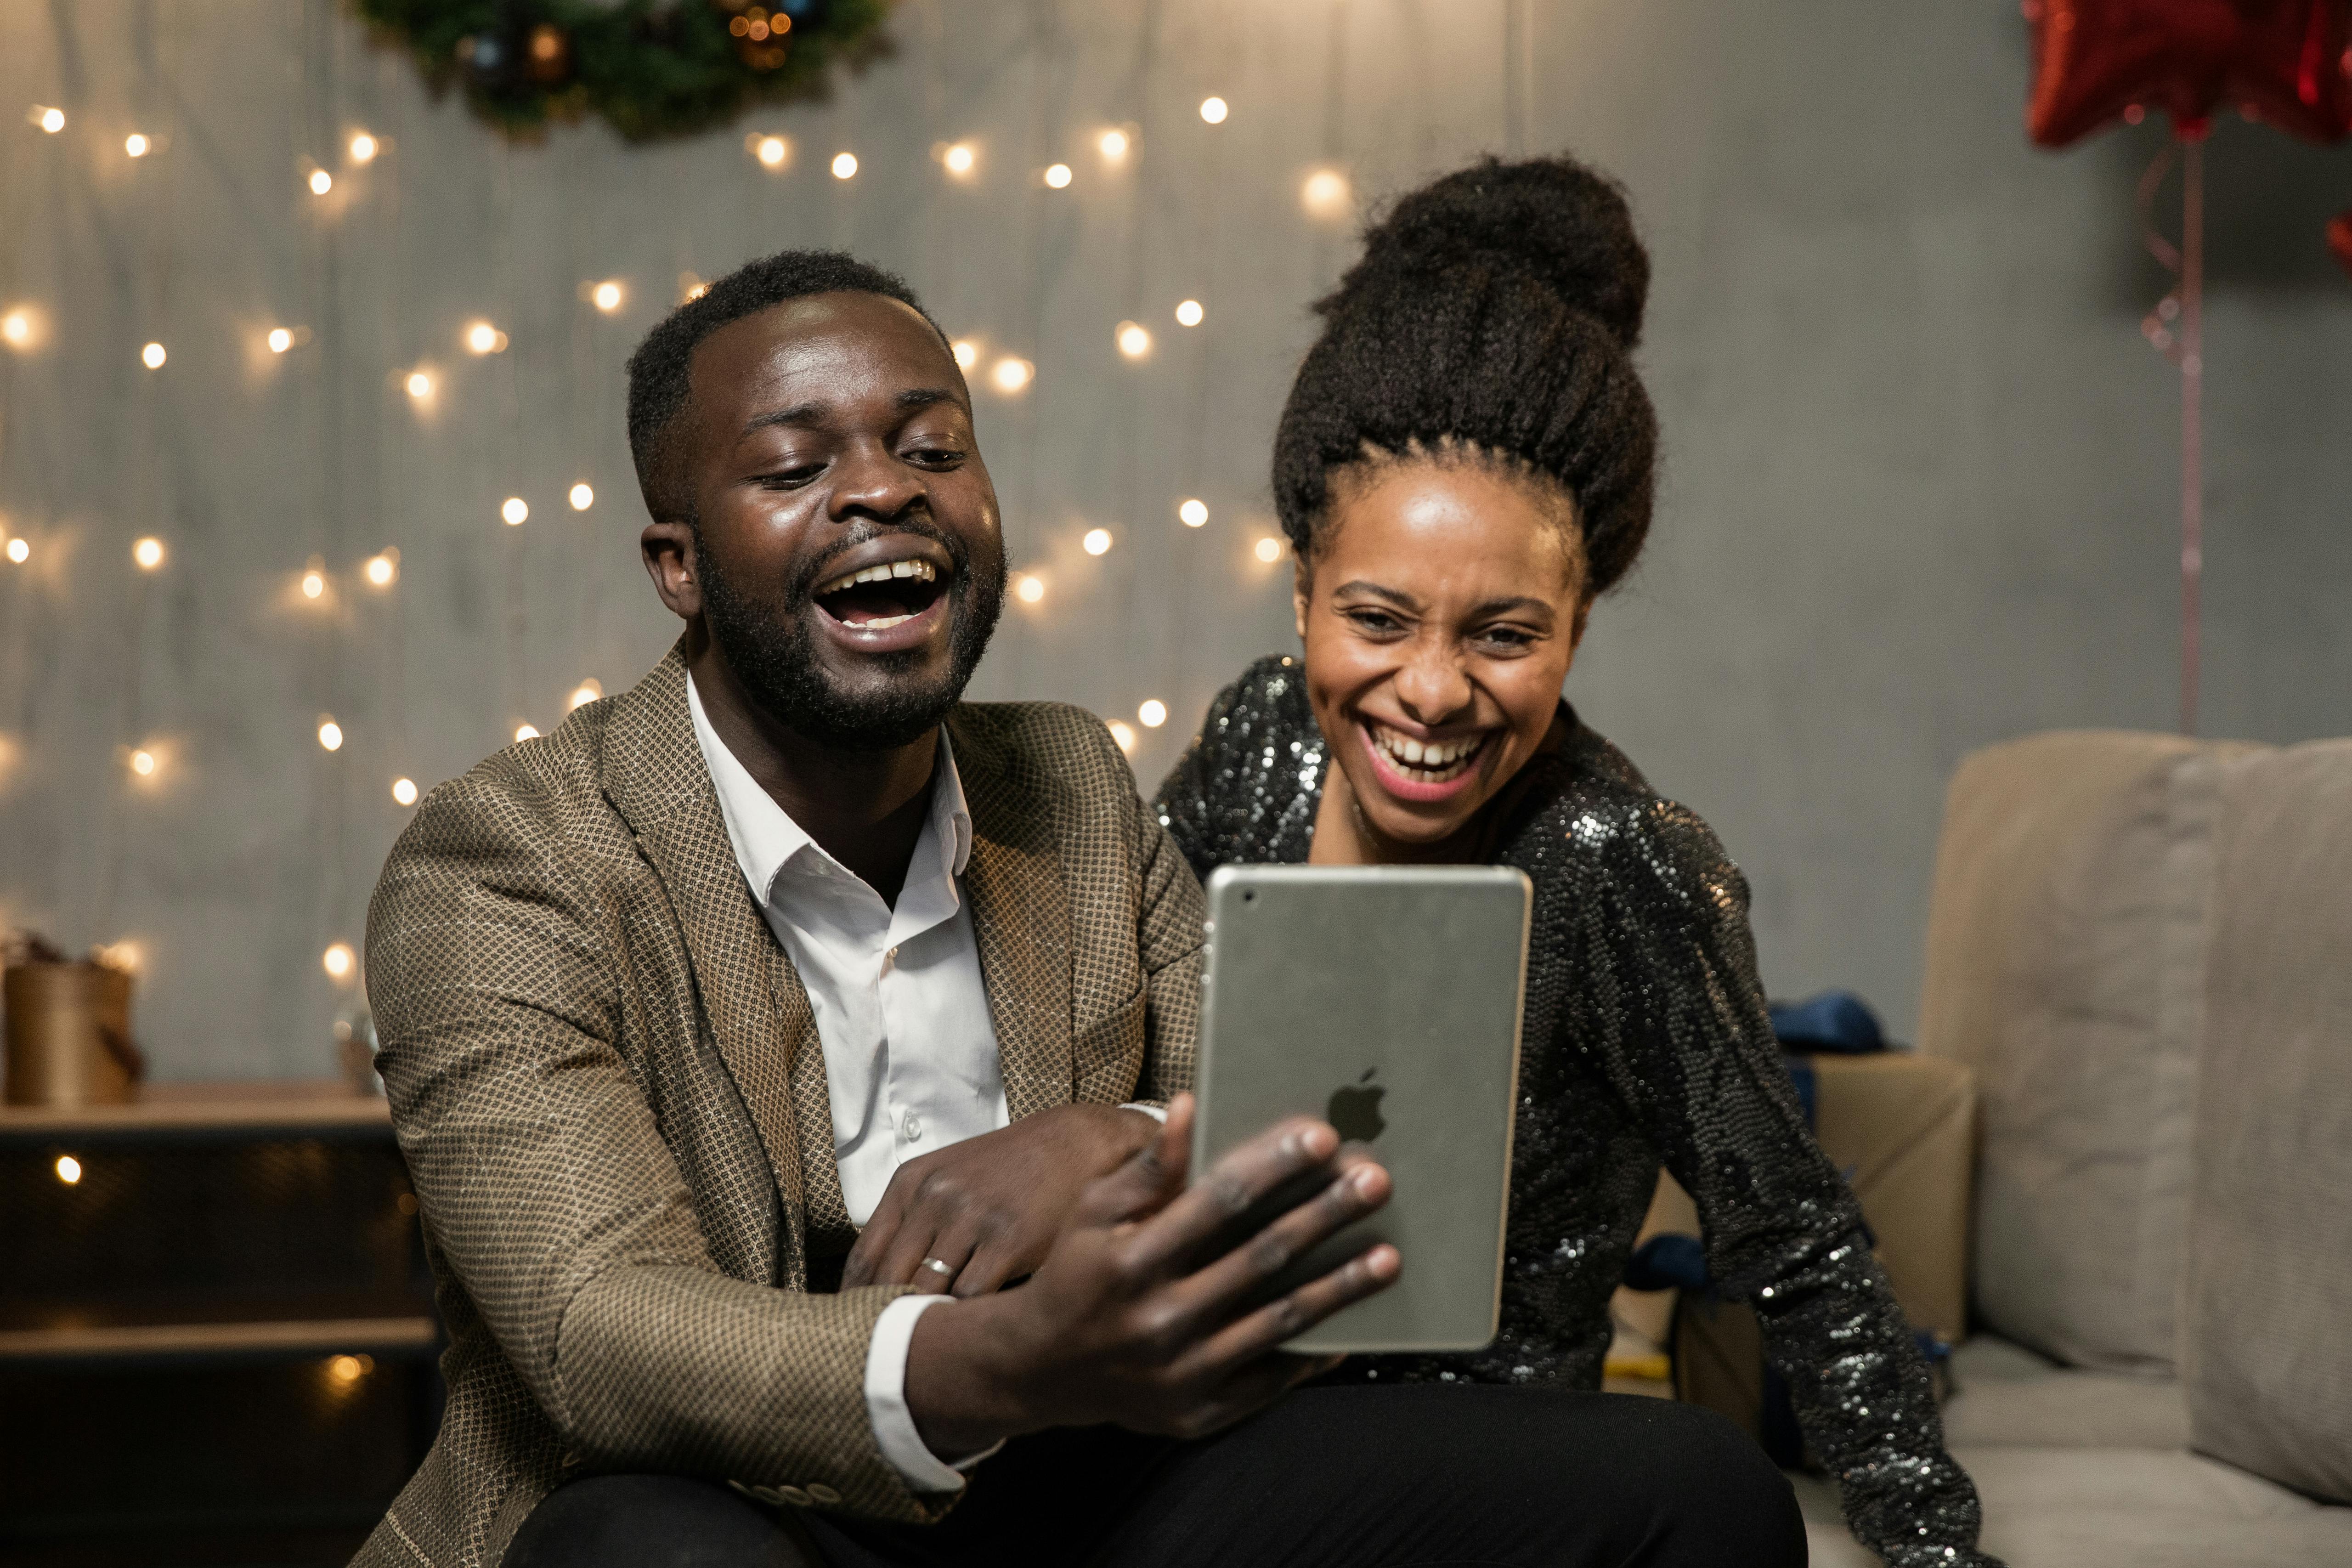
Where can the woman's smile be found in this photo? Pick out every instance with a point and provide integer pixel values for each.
(1423, 771)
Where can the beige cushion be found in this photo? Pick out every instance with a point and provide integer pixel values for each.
(2004, 1395)
(2065, 954)
(2115, 1508)
(2269, 1298)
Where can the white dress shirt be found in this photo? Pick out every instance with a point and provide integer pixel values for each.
(910, 1061)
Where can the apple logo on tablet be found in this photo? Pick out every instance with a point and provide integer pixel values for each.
(1355, 1110)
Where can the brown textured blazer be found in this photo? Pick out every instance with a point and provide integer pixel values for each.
(606, 1079)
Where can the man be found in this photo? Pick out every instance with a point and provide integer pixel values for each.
(750, 1034)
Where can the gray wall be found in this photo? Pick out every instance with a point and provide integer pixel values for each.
(1920, 489)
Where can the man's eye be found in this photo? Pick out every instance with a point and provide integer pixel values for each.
(936, 457)
(793, 476)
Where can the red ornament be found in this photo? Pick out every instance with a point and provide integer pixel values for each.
(2288, 62)
(2340, 240)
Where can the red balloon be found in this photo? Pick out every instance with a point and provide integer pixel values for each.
(2288, 62)
(2340, 240)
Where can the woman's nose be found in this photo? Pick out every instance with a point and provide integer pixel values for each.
(1432, 687)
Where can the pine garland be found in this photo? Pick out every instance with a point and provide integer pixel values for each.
(653, 69)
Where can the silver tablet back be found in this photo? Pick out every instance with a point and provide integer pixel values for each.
(1386, 1000)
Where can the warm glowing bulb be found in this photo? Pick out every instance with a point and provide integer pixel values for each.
(68, 1169)
(345, 1369)
(1012, 375)
(606, 295)
(1096, 542)
(338, 960)
(582, 496)
(1326, 193)
(420, 386)
(585, 693)
(18, 549)
(313, 585)
(515, 510)
(364, 147)
(960, 158)
(1058, 176)
(1133, 340)
(143, 762)
(380, 569)
(152, 356)
(1269, 549)
(50, 120)
(967, 352)
(404, 790)
(16, 327)
(1113, 144)
(482, 338)
(136, 145)
(1030, 589)
(1212, 110)
(322, 182)
(279, 339)
(771, 151)
(526, 731)
(844, 165)
(1125, 736)
(1189, 313)
(1153, 714)
(149, 554)
(330, 735)
(1193, 513)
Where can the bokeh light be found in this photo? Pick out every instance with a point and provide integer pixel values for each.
(322, 182)
(1096, 542)
(844, 165)
(1213, 110)
(136, 145)
(419, 385)
(152, 356)
(481, 338)
(148, 553)
(515, 510)
(279, 339)
(774, 152)
(526, 732)
(960, 158)
(144, 762)
(1058, 175)
(1124, 735)
(330, 735)
(404, 790)
(1113, 145)
(1326, 195)
(1134, 341)
(1192, 511)
(364, 147)
(68, 1169)
(1010, 374)
(587, 691)
(1189, 313)
(19, 550)
(383, 569)
(1269, 549)
(1153, 712)
(1028, 588)
(967, 352)
(582, 496)
(338, 960)
(606, 296)
(314, 583)
(49, 119)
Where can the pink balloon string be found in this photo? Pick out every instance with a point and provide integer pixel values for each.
(2177, 328)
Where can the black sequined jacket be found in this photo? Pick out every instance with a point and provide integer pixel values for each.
(1646, 1042)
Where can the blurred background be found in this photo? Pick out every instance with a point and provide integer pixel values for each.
(1920, 477)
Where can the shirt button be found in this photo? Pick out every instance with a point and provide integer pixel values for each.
(913, 1127)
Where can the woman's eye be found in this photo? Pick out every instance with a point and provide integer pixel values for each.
(1512, 638)
(1378, 622)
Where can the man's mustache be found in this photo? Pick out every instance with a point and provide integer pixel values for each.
(802, 591)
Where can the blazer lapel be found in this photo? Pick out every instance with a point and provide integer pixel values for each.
(1020, 917)
(757, 1012)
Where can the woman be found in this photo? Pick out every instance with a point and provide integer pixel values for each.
(1465, 462)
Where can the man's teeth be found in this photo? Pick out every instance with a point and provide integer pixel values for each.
(1438, 759)
(921, 571)
(881, 624)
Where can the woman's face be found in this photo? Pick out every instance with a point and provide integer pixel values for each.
(1439, 617)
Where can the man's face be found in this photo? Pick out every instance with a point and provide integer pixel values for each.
(847, 548)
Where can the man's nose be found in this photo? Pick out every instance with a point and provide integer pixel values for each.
(869, 481)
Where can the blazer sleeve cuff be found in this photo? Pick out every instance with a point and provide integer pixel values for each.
(885, 1403)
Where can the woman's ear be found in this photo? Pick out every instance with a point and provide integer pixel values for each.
(1302, 588)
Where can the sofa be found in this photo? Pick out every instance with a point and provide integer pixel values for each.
(2140, 947)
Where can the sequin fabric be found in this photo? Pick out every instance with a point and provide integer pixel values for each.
(1646, 1042)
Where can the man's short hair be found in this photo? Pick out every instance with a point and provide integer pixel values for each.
(659, 384)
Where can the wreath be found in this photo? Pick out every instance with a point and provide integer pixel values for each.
(651, 67)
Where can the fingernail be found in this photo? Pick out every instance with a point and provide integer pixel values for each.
(1364, 1183)
(1319, 1141)
(1382, 1262)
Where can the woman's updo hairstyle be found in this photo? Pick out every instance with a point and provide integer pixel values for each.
(1495, 309)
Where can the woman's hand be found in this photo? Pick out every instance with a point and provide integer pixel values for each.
(1147, 1311)
(987, 1208)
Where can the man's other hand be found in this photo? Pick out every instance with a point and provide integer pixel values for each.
(1147, 1311)
(989, 1207)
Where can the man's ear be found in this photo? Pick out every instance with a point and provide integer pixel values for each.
(669, 546)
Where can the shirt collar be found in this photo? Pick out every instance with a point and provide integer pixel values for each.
(766, 838)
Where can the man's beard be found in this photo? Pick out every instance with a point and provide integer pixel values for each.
(770, 645)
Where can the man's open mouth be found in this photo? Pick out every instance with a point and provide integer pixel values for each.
(876, 598)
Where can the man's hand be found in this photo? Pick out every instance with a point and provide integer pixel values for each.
(1147, 1311)
(989, 1206)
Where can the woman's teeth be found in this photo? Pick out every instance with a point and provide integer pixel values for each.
(921, 571)
(1425, 762)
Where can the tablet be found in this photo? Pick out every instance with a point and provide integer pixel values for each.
(1385, 999)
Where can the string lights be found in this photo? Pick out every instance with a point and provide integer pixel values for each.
(844, 165)
(147, 553)
(967, 354)
(1058, 175)
(48, 119)
(314, 582)
(364, 147)
(136, 147)
(1029, 588)
(1326, 195)
(582, 496)
(1113, 145)
(143, 762)
(606, 296)
(1269, 549)
(1096, 542)
(20, 550)
(1012, 376)
(330, 735)
(1153, 712)
(1189, 313)
(1134, 341)
(587, 691)
(152, 356)
(774, 152)
(419, 385)
(338, 960)
(959, 159)
(404, 791)
(515, 510)
(481, 338)
(526, 732)
(322, 182)
(1213, 110)
(383, 569)
(279, 339)
(1123, 733)
(1192, 512)
(17, 328)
